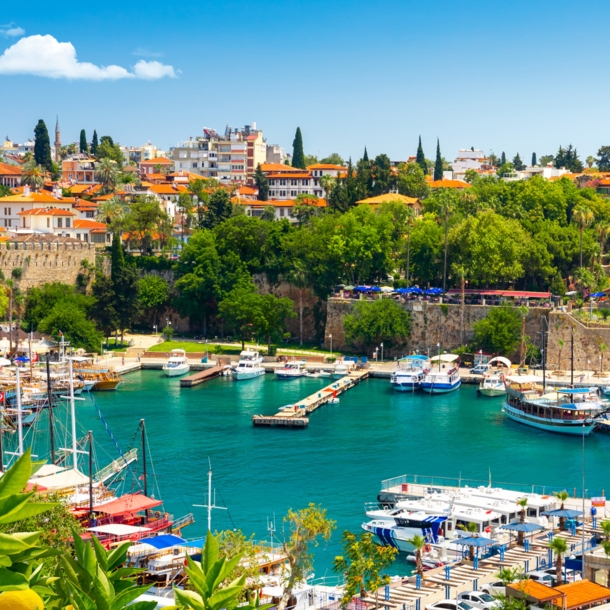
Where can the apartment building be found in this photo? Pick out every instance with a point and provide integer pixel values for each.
(136, 154)
(286, 182)
(10, 175)
(78, 169)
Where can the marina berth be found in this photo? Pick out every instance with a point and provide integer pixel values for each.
(409, 372)
(291, 370)
(250, 366)
(177, 364)
(443, 376)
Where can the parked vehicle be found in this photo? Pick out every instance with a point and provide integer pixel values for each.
(495, 588)
(479, 599)
(449, 604)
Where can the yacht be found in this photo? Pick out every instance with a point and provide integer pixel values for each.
(409, 373)
(177, 364)
(250, 365)
(291, 370)
(342, 368)
(443, 376)
(492, 385)
(566, 410)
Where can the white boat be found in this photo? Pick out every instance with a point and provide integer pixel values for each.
(291, 370)
(341, 369)
(177, 364)
(443, 376)
(325, 374)
(408, 375)
(250, 366)
(492, 385)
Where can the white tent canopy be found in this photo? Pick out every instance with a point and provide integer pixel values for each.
(118, 529)
(64, 479)
(445, 358)
(501, 360)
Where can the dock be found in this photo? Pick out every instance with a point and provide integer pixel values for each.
(202, 376)
(297, 416)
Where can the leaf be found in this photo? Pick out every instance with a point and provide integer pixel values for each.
(103, 592)
(210, 552)
(118, 556)
(190, 599)
(36, 466)
(124, 598)
(24, 511)
(221, 598)
(148, 606)
(79, 599)
(11, 544)
(12, 581)
(14, 480)
(5, 561)
(227, 569)
(100, 553)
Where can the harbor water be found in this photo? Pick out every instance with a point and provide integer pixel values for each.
(338, 461)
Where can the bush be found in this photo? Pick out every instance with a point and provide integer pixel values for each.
(168, 333)
(604, 312)
(272, 351)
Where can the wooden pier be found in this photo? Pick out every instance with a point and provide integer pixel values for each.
(297, 415)
(202, 376)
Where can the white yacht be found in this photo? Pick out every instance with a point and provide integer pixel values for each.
(443, 376)
(492, 385)
(177, 364)
(342, 368)
(291, 370)
(408, 374)
(250, 365)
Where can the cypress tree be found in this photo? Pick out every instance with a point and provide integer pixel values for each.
(503, 158)
(83, 141)
(420, 159)
(365, 156)
(117, 257)
(298, 155)
(517, 163)
(94, 143)
(438, 164)
(262, 184)
(42, 146)
(534, 159)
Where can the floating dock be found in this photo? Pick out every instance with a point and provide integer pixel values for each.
(202, 376)
(297, 415)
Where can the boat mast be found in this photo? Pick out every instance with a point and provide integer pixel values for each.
(572, 359)
(144, 457)
(90, 478)
(73, 415)
(211, 505)
(543, 356)
(19, 417)
(50, 399)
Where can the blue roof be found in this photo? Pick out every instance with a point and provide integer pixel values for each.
(573, 390)
(522, 527)
(566, 513)
(480, 542)
(162, 542)
(416, 357)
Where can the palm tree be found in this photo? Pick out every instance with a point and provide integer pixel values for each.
(583, 217)
(446, 205)
(560, 344)
(107, 173)
(602, 348)
(523, 311)
(327, 182)
(297, 276)
(559, 546)
(603, 231)
(606, 547)
(508, 575)
(33, 176)
(562, 496)
(111, 212)
(460, 271)
(605, 525)
(521, 535)
(472, 528)
(418, 543)
(409, 220)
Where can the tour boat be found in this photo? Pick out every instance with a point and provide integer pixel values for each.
(177, 364)
(492, 385)
(443, 376)
(250, 365)
(341, 369)
(566, 410)
(409, 373)
(291, 370)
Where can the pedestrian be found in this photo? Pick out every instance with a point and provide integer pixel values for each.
(138, 356)
(123, 360)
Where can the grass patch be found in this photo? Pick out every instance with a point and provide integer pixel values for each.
(191, 347)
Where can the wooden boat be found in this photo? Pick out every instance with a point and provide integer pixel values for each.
(103, 381)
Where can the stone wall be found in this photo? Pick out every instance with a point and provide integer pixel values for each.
(45, 262)
(431, 323)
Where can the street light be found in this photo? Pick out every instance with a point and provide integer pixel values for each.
(382, 353)
(376, 350)
(438, 346)
(331, 345)
(155, 327)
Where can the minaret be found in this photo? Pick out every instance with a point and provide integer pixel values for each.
(57, 141)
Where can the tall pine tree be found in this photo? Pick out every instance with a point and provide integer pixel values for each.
(365, 156)
(42, 146)
(420, 159)
(298, 155)
(534, 159)
(83, 142)
(503, 158)
(94, 143)
(438, 164)
(517, 163)
(124, 280)
(262, 183)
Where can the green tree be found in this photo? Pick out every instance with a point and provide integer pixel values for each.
(503, 158)
(562, 496)
(305, 527)
(583, 217)
(471, 176)
(362, 563)
(418, 543)
(242, 312)
(438, 163)
(41, 299)
(299, 278)
(379, 321)
(268, 214)
(124, 279)
(83, 147)
(103, 310)
(219, 208)
(603, 159)
(446, 205)
(409, 220)
(33, 176)
(420, 158)
(310, 160)
(500, 331)
(298, 155)
(522, 503)
(472, 529)
(546, 159)
(262, 184)
(534, 160)
(74, 325)
(154, 294)
(275, 312)
(146, 223)
(333, 159)
(107, 173)
(517, 163)
(327, 182)
(112, 213)
(107, 149)
(559, 547)
(42, 146)
(412, 181)
(94, 143)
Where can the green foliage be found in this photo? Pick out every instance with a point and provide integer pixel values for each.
(168, 333)
(41, 300)
(153, 292)
(83, 147)
(420, 158)
(104, 309)
(147, 224)
(603, 159)
(94, 143)
(534, 160)
(374, 322)
(517, 163)
(124, 279)
(298, 155)
(219, 208)
(333, 159)
(438, 163)
(412, 181)
(362, 564)
(500, 331)
(568, 158)
(42, 146)
(107, 149)
(262, 184)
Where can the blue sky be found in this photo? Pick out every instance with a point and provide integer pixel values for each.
(518, 77)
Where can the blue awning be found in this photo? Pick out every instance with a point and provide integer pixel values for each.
(566, 513)
(477, 542)
(573, 390)
(195, 544)
(522, 527)
(162, 542)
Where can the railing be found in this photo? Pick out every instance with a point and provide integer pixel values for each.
(434, 482)
(183, 521)
(116, 466)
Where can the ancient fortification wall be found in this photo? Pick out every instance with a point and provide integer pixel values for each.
(45, 262)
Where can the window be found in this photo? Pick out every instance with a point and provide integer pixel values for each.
(281, 211)
(78, 236)
(282, 193)
(8, 213)
(67, 223)
(282, 182)
(293, 193)
(89, 215)
(293, 182)
(48, 223)
(59, 223)
(194, 164)
(271, 182)
(305, 182)
(9, 222)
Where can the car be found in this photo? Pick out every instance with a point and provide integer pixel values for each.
(479, 599)
(494, 588)
(449, 604)
(542, 577)
(568, 576)
(480, 369)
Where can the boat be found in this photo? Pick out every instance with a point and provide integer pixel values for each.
(492, 385)
(250, 366)
(107, 381)
(566, 410)
(325, 374)
(341, 369)
(177, 364)
(443, 376)
(291, 370)
(409, 373)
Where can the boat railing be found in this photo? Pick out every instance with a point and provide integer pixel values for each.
(116, 466)
(436, 485)
(183, 521)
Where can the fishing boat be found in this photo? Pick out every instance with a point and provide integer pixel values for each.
(291, 370)
(409, 373)
(565, 410)
(106, 381)
(250, 366)
(492, 385)
(443, 376)
(177, 364)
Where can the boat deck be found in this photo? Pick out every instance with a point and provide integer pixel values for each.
(298, 418)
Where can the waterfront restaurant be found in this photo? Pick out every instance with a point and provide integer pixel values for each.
(577, 595)
(484, 296)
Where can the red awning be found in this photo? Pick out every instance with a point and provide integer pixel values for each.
(128, 504)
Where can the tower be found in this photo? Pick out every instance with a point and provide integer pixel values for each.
(57, 143)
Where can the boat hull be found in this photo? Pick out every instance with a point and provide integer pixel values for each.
(176, 371)
(492, 391)
(289, 375)
(245, 375)
(107, 385)
(560, 427)
(387, 537)
(440, 388)
(406, 386)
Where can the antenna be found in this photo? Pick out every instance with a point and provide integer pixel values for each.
(211, 503)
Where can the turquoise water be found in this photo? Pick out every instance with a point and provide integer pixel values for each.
(339, 461)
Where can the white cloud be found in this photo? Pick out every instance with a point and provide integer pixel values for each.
(10, 30)
(144, 52)
(46, 56)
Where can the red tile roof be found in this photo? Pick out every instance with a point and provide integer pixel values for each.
(157, 161)
(10, 170)
(46, 212)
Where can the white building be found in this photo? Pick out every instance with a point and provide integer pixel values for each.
(136, 154)
(470, 159)
(286, 182)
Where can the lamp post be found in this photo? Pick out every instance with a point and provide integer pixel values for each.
(438, 345)
(376, 352)
(382, 353)
(331, 345)
(155, 327)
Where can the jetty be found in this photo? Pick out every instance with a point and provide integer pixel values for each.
(202, 376)
(297, 415)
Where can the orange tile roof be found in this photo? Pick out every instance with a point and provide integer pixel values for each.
(168, 189)
(449, 184)
(247, 190)
(280, 167)
(277, 203)
(85, 223)
(326, 166)
(291, 176)
(390, 197)
(12, 170)
(535, 589)
(157, 161)
(44, 197)
(583, 592)
(46, 212)
(605, 182)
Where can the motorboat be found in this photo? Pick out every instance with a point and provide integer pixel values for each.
(342, 368)
(291, 370)
(443, 376)
(250, 366)
(492, 385)
(177, 364)
(566, 410)
(408, 374)
(325, 374)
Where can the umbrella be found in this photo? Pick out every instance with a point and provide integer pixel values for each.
(348, 287)
(522, 527)
(26, 359)
(477, 542)
(387, 289)
(361, 288)
(5, 362)
(402, 290)
(566, 513)
(415, 290)
(598, 294)
(375, 289)
(434, 291)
